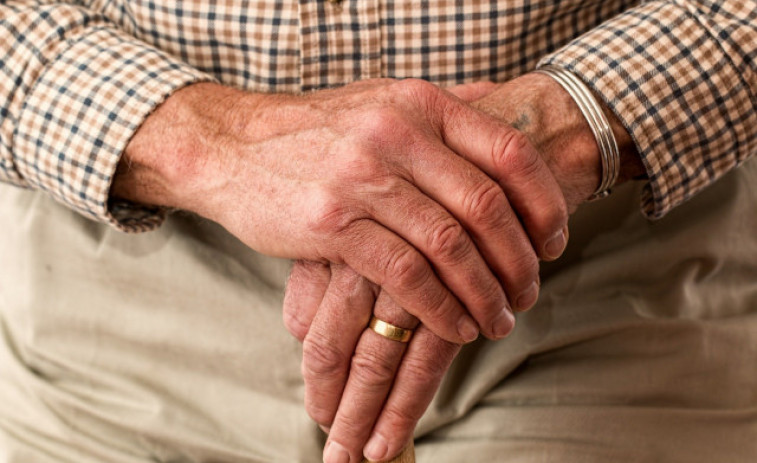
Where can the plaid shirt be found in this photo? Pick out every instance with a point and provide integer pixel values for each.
(79, 77)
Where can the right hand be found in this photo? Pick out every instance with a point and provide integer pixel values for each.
(384, 176)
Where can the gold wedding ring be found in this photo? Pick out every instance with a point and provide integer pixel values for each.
(389, 331)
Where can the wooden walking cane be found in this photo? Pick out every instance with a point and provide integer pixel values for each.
(407, 455)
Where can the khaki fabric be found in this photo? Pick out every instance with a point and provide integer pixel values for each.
(642, 347)
(169, 346)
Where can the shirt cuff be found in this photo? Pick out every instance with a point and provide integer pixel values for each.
(80, 114)
(669, 77)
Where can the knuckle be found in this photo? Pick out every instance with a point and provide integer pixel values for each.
(529, 263)
(351, 424)
(416, 88)
(320, 413)
(383, 188)
(489, 297)
(350, 285)
(366, 171)
(563, 215)
(528, 269)
(359, 162)
(320, 358)
(559, 215)
(335, 218)
(556, 219)
(440, 309)
(428, 370)
(423, 94)
(382, 124)
(512, 153)
(400, 418)
(406, 268)
(372, 369)
(509, 222)
(303, 269)
(486, 204)
(448, 241)
(293, 324)
(329, 213)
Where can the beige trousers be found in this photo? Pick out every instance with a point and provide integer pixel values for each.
(169, 346)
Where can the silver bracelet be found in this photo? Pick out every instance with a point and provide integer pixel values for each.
(600, 126)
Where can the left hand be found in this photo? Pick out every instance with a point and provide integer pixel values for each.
(358, 382)
(353, 375)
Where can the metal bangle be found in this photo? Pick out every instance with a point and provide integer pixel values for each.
(598, 123)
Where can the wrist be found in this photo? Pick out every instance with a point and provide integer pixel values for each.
(174, 156)
(537, 105)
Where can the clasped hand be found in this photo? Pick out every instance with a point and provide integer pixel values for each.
(397, 194)
(369, 391)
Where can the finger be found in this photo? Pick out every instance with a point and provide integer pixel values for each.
(330, 342)
(372, 372)
(472, 91)
(535, 195)
(305, 288)
(423, 366)
(457, 261)
(507, 156)
(390, 262)
(482, 207)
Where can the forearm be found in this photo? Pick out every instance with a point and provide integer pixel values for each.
(176, 150)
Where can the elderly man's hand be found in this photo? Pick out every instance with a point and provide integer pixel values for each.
(381, 175)
(358, 383)
(357, 370)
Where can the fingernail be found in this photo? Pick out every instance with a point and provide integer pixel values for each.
(376, 448)
(335, 453)
(556, 245)
(325, 429)
(467, 329)
(528, 297)
(503, 323)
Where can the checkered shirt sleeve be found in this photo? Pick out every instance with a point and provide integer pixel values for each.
(73, 90)
(682, 77)
(79, 77)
